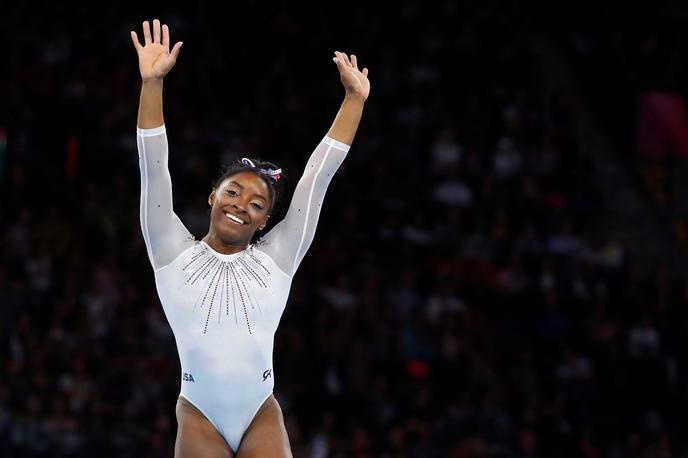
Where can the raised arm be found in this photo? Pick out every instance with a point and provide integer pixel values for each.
(164, 234)
(357, 89)
(289, 240)
(155, 61)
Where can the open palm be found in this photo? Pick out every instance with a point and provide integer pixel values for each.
(155, 58)
(355, 81)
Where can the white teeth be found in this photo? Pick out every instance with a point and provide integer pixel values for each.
(236, 219)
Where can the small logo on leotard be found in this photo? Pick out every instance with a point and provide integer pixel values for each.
(266, 374)
(187, 377)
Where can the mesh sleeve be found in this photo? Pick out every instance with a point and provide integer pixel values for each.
(289, 240)
(165, 235)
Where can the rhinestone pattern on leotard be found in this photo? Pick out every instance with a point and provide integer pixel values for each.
(226, 281)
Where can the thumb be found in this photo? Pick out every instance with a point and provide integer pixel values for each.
(175, 50)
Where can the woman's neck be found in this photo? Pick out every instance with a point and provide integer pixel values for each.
(223, 247)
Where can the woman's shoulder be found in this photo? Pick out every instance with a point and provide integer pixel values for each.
(261, 251)
(192, 249)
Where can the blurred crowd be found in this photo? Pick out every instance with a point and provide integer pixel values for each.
(459, 298)
(635, 74)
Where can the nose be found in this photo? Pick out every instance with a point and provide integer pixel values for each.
(239, 205)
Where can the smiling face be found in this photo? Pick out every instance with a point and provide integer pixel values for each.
(240, 206)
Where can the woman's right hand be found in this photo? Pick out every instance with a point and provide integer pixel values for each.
(155, 58)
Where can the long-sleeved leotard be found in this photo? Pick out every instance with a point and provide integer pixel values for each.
(224, 309)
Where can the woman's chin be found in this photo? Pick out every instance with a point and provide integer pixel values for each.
(233, 234)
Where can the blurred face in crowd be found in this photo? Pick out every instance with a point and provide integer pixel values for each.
(240, 206)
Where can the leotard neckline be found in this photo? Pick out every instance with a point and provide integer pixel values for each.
(225, 257)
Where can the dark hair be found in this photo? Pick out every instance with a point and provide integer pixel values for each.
(275, 184)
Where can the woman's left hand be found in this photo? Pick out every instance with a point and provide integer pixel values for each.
(355, 81)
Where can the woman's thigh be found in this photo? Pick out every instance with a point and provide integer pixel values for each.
(266, 436)
(196, 436)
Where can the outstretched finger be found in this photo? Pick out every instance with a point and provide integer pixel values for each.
(135, 40)
(156, 31)
(346, 59)
(365, 72)
(354, 62)
(175, 50)
(146, 33)
(166, 37)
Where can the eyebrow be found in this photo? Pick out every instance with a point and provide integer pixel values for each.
(260, 196)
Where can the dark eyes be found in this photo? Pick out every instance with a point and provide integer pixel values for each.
(233, 193)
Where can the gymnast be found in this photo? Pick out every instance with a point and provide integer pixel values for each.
(223, 295)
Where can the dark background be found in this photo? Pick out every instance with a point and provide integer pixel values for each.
(471, 290)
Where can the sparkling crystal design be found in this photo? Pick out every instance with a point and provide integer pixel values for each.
(225, 281)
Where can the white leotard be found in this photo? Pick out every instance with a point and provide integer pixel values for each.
(224, 309)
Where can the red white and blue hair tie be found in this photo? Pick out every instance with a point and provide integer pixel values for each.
(274, 175)
(247, 161)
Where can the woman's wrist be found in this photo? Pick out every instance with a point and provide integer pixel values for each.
(354, 97)
(153, 81)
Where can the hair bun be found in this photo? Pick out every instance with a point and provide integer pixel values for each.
(273, 174)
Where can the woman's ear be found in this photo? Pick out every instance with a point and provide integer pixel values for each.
(211, 198)
(262, 226)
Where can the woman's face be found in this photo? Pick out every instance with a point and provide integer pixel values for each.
(241, 205)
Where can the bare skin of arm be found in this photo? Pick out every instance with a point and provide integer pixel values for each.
(155, 61)
(357, 89)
